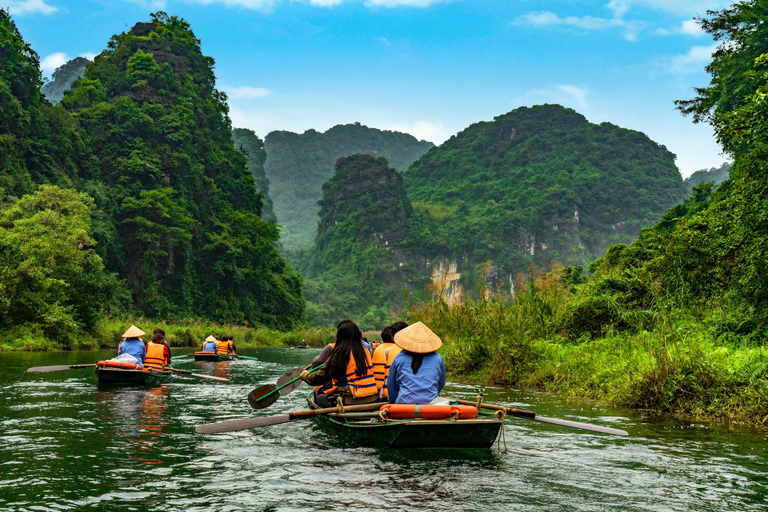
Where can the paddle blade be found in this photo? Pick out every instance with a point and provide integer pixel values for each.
(263, 396)
(582, 426)
(247, 358)
(60, 368)
(210, 377)
(245, 424)
(288, 377)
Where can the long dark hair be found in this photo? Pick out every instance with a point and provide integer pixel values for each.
(348, 340)
(416, 360)
(159, 337)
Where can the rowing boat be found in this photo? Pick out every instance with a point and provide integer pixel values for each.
(109, 375)
(213, 356)
(370, 429)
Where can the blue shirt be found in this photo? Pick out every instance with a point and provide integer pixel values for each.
(134, 347)
(404, 387)
(210, 346)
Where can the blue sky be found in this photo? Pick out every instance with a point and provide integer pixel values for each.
(427, 67)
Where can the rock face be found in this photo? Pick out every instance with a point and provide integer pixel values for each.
(298, 165)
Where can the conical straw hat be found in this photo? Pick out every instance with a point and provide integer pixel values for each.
(418, 338)
(133, 332)
(210, 338)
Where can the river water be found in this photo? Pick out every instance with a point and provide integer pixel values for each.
(68, 444)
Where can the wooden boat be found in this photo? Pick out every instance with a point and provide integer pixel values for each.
(109, 375)
(357, 428)
(213, 356)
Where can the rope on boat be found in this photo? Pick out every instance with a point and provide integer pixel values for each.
(501, 415)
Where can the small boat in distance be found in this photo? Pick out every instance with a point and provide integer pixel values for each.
(213, 356)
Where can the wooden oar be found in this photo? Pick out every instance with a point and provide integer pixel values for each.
(200, 375)
(248, 358)
(530, 415)
(248, 423)
(180, 357)
(46, 369)
(264, 396)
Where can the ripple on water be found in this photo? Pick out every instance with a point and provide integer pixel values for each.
(69, 444)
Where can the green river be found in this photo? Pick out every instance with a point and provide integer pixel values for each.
(68, 444)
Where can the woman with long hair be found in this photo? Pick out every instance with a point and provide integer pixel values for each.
(348, 371)
(417, 374)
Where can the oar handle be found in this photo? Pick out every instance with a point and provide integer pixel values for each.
(520, 413)
(289, 382)
(329, 410)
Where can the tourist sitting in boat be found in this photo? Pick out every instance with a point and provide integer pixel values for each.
(417, 374)
(158, 354)
(347, 373)
(209, 345)
(232, 348)
(133, 345)
(223, 345)
(303, 344)
(384, 355)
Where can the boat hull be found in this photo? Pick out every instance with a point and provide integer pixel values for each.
(475, 433)
(131, 377)
(209, 356)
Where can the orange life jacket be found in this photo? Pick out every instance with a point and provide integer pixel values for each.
(223, 347)
(359, 385)
(382, 360)
(155, 355)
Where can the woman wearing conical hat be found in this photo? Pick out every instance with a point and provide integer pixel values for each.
(417, 374)
(132, 344)
(209, 345)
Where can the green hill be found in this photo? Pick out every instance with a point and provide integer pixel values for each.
(355, 268)
(714, 175)
(536, 185)
(298, 165)
(179, 214)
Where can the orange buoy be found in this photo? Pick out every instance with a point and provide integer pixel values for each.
(118, 364)
(430, 412)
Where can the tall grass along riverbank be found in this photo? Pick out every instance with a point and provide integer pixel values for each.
(673, 361)
(179, 333)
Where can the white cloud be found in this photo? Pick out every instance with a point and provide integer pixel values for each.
(49, 63)
(22, 7)
(687, 28)
(682, 7)
(565, 94)
(693, 61)
(88, 55)
(549, 19)
(246, 92)
(422, 130)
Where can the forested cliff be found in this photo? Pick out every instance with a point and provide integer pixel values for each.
(165, 203)
(253, 148)
(63, 78)
(298, 165)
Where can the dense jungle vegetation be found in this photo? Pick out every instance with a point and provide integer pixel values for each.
(355, 268)
(677, 320)
(129, 197)
(298, 165)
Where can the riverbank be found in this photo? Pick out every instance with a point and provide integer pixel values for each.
(180, 333)
(682, 367)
